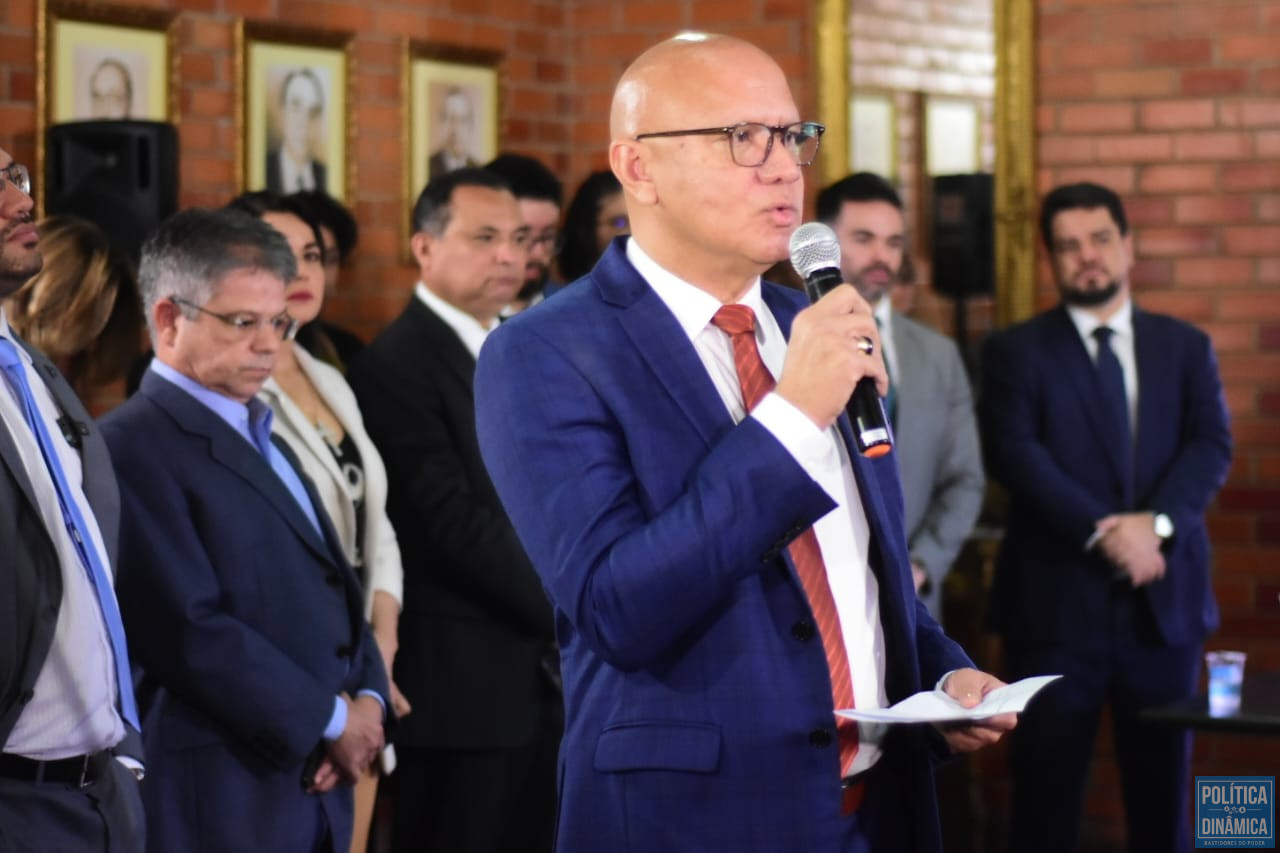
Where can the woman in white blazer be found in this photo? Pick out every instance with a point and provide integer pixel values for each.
(315, 412)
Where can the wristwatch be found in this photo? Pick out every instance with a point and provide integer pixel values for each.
(1164, 526)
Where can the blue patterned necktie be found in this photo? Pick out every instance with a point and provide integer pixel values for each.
(1115, 400)
(11, 363)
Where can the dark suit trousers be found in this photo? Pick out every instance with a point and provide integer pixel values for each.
(1119, 661)
(479, 800)
(104, 817)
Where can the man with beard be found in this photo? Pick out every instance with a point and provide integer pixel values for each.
(929, 402)
(1107, 426)
(540, 195)
(67, 711)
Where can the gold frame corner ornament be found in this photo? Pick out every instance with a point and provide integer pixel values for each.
(1015, 172)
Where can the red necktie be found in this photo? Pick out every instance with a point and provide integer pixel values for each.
(739, 322)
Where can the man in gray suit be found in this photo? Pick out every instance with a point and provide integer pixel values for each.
(69, 744)
(929, 403)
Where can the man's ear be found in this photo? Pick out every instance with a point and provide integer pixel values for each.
(420, 245)
(629, 161)
(164, 319)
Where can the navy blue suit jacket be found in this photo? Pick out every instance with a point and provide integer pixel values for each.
(1046, 441)
(246, 624)
(658, 526)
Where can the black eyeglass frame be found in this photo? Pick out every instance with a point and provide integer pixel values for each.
(814, 128)
(243, 325)
(18, 175)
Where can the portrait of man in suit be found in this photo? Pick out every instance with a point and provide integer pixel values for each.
(68, 722)
(294, 164)
(1107, 426)
(477, 760)
(455, 130)
(266, 695)
(929, 401)
(667, 436)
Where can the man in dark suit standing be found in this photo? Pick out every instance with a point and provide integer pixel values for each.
(1107, 426)
(935, 427)
(266, 692)
(726, 569)
(67, 712)
(477, 657)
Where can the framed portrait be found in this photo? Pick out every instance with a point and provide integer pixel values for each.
(296, 125)
(953, 136)
(451, 109)
(873, 138)
(100, 61)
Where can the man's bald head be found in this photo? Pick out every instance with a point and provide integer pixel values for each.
(692, 207)
(666, 69)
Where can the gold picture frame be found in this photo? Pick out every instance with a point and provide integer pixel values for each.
(1015, 167)
(101, 61)
(451, 98)
(873, 135)
(295, 122)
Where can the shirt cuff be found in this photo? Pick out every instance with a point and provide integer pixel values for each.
(338, 721)
(808, 445)
(375, 695)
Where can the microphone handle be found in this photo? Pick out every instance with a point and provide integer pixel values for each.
(865, 408)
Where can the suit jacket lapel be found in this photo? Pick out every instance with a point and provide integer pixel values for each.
(229, 448)
(646, 320)
(447, 346)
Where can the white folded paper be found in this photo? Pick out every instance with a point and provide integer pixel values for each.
(934, 706)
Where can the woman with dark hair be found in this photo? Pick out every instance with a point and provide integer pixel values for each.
(596, 215)
(317, 416)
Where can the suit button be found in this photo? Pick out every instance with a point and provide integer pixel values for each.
(803, 630)
(344, 651)
(333, 579)
(820, 738)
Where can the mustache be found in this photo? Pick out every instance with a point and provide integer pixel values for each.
(27, 217)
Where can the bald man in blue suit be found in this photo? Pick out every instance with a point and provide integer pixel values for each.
(659, 512)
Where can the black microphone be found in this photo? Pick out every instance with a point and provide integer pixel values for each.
(815, 254)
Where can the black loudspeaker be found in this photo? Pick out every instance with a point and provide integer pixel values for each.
(963, 234)
(120, 175)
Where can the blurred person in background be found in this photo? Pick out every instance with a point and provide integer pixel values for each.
(82, 309)
(316, 414)
(339, 234)
(597, 214)
(540, 196)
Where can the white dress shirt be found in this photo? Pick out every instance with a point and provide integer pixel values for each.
(843, 534)
(883, 311)
(467, 327)
(73, 709)
(294, 177)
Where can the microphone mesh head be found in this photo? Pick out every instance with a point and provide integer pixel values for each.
(814, 246)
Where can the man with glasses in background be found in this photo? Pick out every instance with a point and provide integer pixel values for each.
(68, 720)
(476, 758)
(726, 571)
(540, 196)
(265, 693)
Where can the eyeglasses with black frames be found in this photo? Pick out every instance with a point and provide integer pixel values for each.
(751, 142)
(247, 325)
(19, 176)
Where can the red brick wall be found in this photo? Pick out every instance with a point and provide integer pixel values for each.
(1176, 105)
